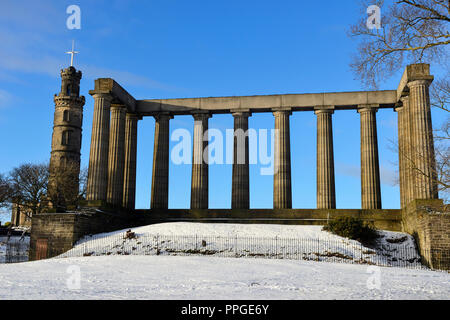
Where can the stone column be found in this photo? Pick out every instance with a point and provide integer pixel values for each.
(199, 183)
(282, 190)
(326, 196)
(370, 168)
(405, 159)
(408, 152)
(402, 157)
(424, 162)
(160, 176)
(240, 195)
(98, 157)
(116, 155)
(129, 184)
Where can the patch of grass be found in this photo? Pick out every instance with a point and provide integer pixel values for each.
(397, 240)
(352, 228)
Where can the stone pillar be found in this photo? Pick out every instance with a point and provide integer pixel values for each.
(282, 190)
(98, 157)
(405, 159)
(424, 162)
(116, 155)
(129, 182)
(370, 168)
(408, 152)
(199, 184)
(160, 176)
(326, 196)
(402, 156)
(240, 195)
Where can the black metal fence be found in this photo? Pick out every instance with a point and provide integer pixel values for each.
(14, 251)
(329, 250)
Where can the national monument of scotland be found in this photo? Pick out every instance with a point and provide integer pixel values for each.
(111, 186)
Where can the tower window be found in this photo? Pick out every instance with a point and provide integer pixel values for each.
(68, 90)
(66, 115)
(66, 138)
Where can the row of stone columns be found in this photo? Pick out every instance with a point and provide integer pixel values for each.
(370, 171)
(240, 198)
(112, 163)
(112, 159)
(417, 167)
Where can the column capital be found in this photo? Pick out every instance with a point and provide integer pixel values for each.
(241, 113)
(324, 109)
(115, 105)
(132, 115)
(399, 106)
(201, 115)
(404, 99)
(104, 95)
(420, 82)
(368, 108)
(281, 111)
(163, 116)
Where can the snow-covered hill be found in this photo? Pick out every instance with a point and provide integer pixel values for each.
(250, 240)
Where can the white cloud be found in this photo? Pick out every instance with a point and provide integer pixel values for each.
(350, 170)
(388, 176)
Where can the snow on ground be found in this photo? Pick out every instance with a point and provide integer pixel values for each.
(211, 278)
(250, 240)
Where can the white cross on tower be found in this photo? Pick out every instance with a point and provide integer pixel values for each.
(72, 53)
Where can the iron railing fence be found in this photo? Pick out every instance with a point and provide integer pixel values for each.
(403, 255)
(14, 251)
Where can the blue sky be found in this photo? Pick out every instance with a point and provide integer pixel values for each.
(173, 49)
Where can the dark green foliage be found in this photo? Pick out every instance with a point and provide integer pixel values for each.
(352, 228)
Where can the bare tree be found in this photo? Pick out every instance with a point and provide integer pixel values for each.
(83, 184)
(442, 150)
(440, 93)
(4, 191)
(412, 31)
(29, 187)
(67, 186)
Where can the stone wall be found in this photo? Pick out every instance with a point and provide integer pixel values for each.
(57, 229)
(429, 222)
(63, 230)
(386, 219)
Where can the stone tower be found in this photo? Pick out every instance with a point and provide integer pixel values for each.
(66, 141)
